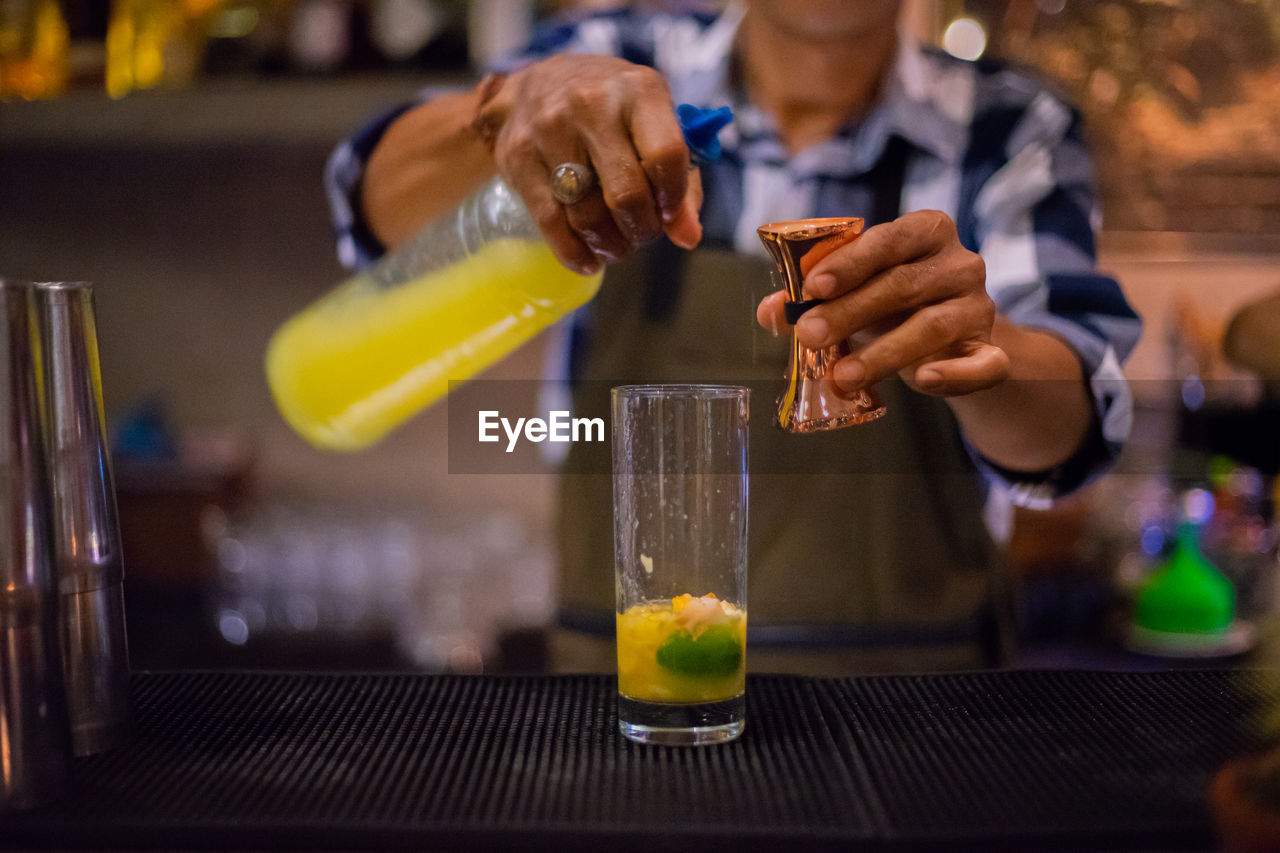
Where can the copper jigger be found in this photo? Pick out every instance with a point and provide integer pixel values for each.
(811, 400)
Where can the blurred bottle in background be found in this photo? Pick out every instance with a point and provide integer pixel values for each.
(1240, 535)
(402, 29)
(34, 49)
(151, 43)
(126, 46)
(321, 35)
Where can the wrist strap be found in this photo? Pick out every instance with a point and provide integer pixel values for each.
(795, 308)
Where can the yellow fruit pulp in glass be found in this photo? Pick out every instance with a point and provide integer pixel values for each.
(358, 362)
(644, 628)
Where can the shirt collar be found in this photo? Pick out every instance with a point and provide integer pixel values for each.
(921, 101)
(925, 103)
(699, 68)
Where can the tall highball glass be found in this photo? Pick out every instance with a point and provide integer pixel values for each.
(680, 561)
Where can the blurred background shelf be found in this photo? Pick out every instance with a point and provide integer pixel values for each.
(198, 210)
(200, 215)
(302, 112)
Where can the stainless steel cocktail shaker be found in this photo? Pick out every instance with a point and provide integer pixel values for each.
(86, 529)
(35, 760)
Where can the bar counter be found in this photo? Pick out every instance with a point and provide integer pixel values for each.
(1025, 760)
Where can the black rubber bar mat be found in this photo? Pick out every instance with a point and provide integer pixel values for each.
(263, 761)
(1086, 760)
(1019, 760)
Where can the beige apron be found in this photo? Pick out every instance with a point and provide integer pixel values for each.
(867, 547)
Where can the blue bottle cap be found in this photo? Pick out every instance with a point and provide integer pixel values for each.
(701, 128)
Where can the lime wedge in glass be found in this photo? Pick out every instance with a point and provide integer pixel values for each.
(716, 651)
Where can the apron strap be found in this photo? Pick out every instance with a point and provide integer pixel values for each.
(889, 179)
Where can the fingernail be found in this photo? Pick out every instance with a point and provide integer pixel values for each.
(686, 241)
(590, 267)
(814, 328)
(819, 286)
(849, 374)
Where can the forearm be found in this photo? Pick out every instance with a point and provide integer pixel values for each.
(427, 162)
(1252, 338)
(1038, 417)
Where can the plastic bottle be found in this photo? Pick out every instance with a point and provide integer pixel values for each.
(465, 291)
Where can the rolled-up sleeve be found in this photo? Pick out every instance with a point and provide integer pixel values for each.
(607, 32)
(1034, 224)
(343, 175)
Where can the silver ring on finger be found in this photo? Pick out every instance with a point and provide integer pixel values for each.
(571, 182)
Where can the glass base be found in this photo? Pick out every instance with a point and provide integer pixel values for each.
(685, 724)
(804, 426)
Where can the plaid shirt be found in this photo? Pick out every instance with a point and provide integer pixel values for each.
(986, 144)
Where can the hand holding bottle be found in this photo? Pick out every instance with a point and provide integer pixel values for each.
(616, 118)
(469, 287)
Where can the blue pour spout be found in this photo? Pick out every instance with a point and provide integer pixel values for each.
(701, 130)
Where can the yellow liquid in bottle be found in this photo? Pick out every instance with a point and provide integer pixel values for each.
(698, 665)
(363, 359)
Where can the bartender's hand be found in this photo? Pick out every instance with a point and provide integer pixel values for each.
(617, 118)
(915, 302)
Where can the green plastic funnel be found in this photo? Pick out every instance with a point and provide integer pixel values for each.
(1187, 595)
